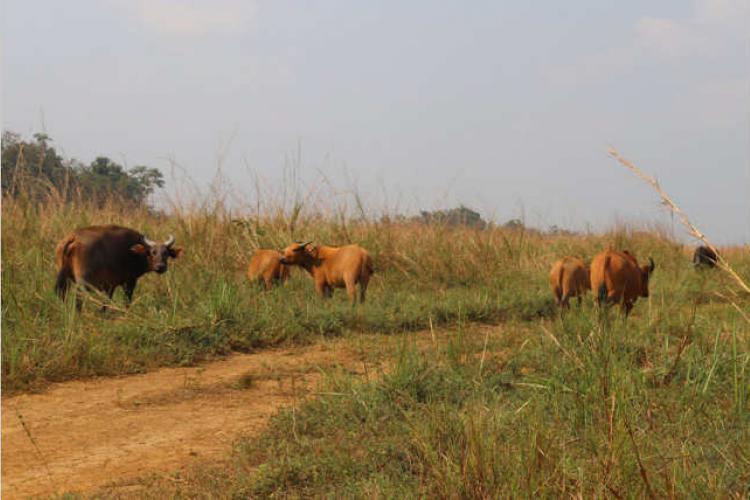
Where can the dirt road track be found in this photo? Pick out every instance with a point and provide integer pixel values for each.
(82, 435)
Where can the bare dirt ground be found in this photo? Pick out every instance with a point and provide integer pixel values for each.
(80, 436)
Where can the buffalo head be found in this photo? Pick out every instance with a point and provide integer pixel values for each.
(297, 254)
(157, 254)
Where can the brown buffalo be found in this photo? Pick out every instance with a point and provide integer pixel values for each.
(568, 278)
(105, 257)
(333, 267)
(266, 268)
(616, 277)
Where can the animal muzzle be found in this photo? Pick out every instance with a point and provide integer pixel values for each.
(160, 268)
(283, 261)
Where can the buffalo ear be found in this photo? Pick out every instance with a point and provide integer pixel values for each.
(139, 249)
(175, 252)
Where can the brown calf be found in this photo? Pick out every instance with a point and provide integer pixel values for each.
(265, 268)
(333, 267)
(568, 278)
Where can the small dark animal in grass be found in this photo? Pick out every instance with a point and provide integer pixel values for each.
(105, 257)
(617, 278)
(704, 257)
(265, 268)
(333, 267)
(568, 278)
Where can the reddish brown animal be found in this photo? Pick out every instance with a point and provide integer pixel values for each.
(568, 278)
(265, 268)
(333, 267)
(105, 257)
(617, 278)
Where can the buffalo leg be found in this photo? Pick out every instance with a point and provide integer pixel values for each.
(364, 280)
(627, 307)
(351, 290)
(129, 288)
(323, 289)
(79, 301)
(110, 291)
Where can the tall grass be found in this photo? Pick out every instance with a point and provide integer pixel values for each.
(424, 275)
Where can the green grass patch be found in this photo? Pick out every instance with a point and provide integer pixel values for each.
(626, 409)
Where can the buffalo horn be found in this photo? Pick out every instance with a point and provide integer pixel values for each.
(651, 264)
(169, 242)
(148, 241)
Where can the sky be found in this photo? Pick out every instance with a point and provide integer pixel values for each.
(506, 107)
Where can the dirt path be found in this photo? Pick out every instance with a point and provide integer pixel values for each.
(79, 436)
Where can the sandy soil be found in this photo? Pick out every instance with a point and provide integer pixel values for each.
(82, 435)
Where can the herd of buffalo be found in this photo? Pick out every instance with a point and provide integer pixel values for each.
(613, 277)
(103, 258)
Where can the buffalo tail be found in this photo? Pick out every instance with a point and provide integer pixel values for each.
(64, 273)
(61, 285)
(602, 296)
(602, 292)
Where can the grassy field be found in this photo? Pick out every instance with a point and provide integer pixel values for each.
(545, 409)
(653, 406)
(204, 305)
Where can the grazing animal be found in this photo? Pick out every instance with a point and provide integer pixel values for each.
(105, 257)
(616, 277)
(568, 278)
(333, 267)
(704, 257)
(266, 268)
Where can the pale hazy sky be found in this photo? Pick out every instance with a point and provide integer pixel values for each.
(503, 106)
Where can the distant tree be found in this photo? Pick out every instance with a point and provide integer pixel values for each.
(31, 167)
(516, 224)
(459, 216)
(148, 179)
(104, 178)
(34, 169)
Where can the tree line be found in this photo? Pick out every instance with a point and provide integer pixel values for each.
(32, 168)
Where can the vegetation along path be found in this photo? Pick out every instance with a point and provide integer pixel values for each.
(81, 435)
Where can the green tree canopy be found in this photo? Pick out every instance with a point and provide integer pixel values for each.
(460, 215)
(34, 169)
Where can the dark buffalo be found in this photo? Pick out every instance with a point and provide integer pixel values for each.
(704, 257)
(105, 257)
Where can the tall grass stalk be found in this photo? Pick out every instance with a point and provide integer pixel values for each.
(682, 216)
